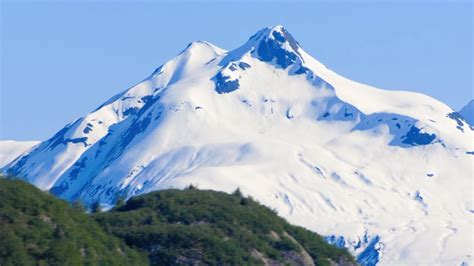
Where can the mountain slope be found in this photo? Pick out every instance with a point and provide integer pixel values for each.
(10, 149)
(213, 228)
(468, 112)
(385, 173)
(38, 229)
(189, 226)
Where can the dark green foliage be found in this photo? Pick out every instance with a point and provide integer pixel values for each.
(286, 243)
(38, 229)
(169, 227)
(78, 206)
(316, 246)
(95, 207)
(191, 186)
(120, 201)
(194, 226)
(237, 193)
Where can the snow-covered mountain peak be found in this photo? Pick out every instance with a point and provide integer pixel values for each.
(278, 34)
(274, 45)
(330, 154)
(198, 47)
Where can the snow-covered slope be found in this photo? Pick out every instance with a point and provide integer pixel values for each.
(468, 112)
(10, 149)
(387, 174)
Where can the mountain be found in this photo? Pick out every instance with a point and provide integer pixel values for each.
(195, 227)
(468, 112)
(39, 229)
(387, 174)
(10, 149)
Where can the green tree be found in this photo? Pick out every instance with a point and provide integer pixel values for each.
(78, 206)
(96, 207)
(38, 229)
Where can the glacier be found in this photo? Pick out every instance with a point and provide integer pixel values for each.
(387, 174)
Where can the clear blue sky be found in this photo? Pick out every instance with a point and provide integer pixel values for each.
(59, 60)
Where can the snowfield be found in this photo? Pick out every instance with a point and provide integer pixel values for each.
(387, 174)
(10, 149)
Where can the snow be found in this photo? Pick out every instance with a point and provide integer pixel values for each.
(10, 149)
(338, 157)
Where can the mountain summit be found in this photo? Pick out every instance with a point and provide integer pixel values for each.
(275, 45)
(387, 174)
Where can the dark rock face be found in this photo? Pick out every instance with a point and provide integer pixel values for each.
(460, 121)
(224, 84)
(415, 137)
(269, 49)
